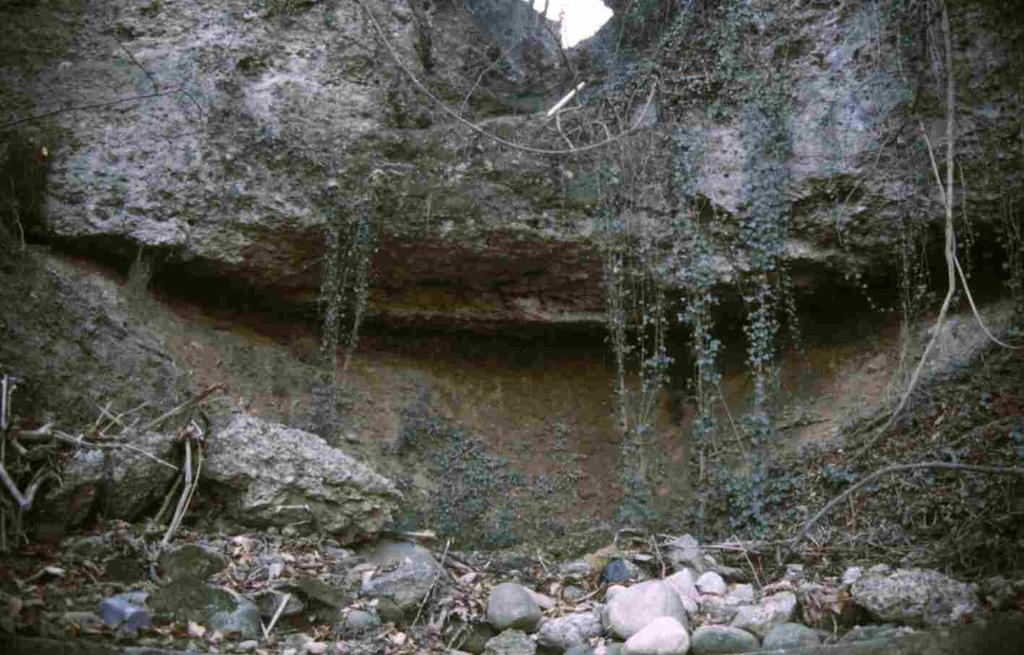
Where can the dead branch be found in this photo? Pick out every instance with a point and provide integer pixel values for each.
(750, 563)
(267, 629)
(191, 482)
(24, 501)
(7, 385)
(433, 584)
(47, 433)
(182, 407)
(895, 468)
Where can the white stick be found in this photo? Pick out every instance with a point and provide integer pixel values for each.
(561, 103)
(277, 615)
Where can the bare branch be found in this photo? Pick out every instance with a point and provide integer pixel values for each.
(888, 470)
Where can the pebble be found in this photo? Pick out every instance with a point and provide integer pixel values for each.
(852, 575)
(662, 636)
(722, 639)
(791, 635)
(618, 570)
(512, 606)
(125, 611)
(712, 583)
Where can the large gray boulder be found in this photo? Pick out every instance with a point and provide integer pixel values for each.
(915, 597)
(228, 164)
(234, 160)
(270, 474)
(631, 609)
(564, 632)
(67, 333)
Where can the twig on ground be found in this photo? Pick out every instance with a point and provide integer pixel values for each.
(191, 433)
(750, 563)
(600, 588)
(47, 433)
(24, 501)
(277, 615)
(167, 501)
(8, 384)
(433, 584)
(12, 488)
(182, 407)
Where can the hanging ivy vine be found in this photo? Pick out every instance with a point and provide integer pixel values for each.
(695, 271)
(636, 322)
(766, 142)
(350, 242)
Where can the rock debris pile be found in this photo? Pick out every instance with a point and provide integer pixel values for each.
(264, 592)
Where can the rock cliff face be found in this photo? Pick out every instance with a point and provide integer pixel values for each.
(224, 145)
(261, 121)
(264, 120)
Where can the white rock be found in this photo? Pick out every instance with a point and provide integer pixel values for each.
(543, 600)
(662, 636)
(773, 611)
(684, 583)
(852, 575)
(630, 611)
(575, 570)
(612, 590)
(795, 572)
(712, 583)
(691, 606)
